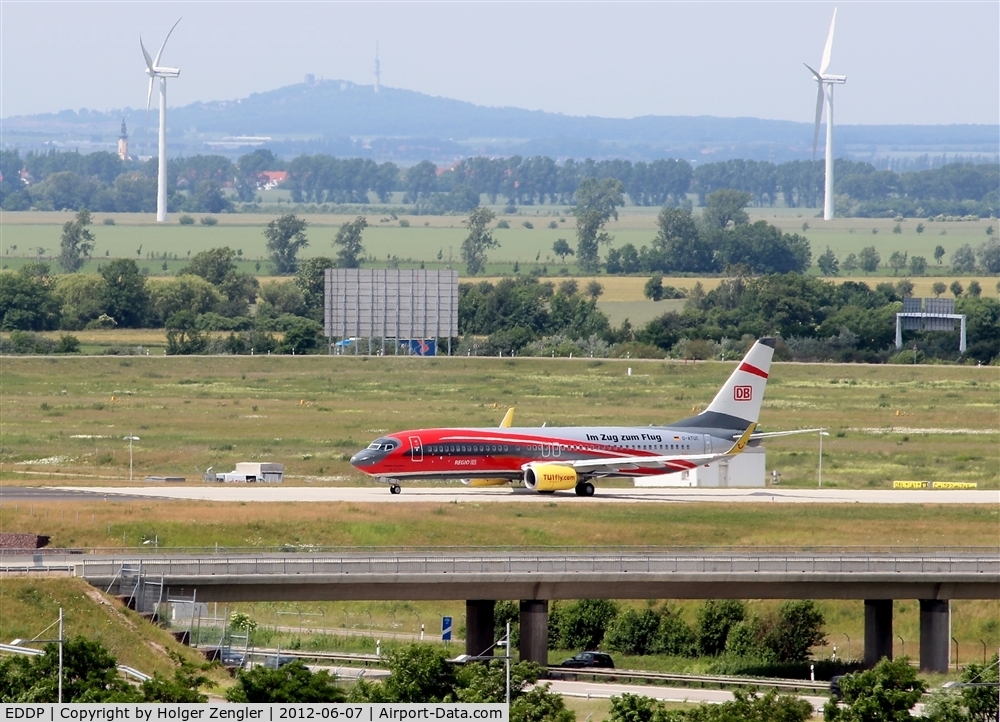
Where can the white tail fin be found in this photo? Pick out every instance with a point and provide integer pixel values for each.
(740, 397)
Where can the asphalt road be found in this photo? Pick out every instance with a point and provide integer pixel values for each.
(199, 491)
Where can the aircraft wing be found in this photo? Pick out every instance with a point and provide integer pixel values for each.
(619, 464)
(771, 434)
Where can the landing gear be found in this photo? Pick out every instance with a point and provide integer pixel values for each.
(584, 488)
(394, 489)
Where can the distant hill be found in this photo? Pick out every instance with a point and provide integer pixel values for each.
(343, 118)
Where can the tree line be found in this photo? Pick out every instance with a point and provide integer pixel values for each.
(211, 183)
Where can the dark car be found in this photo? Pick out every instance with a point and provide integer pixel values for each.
(274, 661)
(589, 659)
(835, 690)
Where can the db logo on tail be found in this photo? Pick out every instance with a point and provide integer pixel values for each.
(742, 393)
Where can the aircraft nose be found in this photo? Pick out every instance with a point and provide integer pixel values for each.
(362, 458)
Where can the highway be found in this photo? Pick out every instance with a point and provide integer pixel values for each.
(200, 491)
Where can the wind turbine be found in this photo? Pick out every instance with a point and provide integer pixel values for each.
(825, 83)
(154, 70)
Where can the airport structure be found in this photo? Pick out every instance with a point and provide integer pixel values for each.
(384, 304)
(929, 314)
(536, 578)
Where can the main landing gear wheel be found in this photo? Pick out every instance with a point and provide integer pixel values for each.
(394, 489)
(585, 489)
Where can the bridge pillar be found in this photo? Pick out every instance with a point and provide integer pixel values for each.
(935, 635)
(878, 630)
(534, 646)
(479, 627)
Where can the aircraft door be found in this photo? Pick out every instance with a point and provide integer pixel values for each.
(708, 443)
(416, 449)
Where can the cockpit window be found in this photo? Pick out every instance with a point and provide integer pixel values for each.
(383, 444)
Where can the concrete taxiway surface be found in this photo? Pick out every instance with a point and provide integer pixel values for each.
(305, 494)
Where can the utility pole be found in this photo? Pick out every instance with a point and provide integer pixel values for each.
(60, 654)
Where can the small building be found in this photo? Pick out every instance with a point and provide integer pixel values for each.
(250, 472)
(743, 470)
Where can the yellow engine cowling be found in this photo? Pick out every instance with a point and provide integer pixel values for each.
(550, 477)
(485, 482)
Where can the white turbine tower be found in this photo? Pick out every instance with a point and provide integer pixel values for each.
(154, 70)
(825, 83)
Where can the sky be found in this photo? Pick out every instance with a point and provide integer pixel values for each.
(906, 62)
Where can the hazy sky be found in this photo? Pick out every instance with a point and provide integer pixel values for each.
(906, 62)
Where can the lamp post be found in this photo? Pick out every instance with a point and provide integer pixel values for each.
(822, 433)
(484, 657)
(130, 438)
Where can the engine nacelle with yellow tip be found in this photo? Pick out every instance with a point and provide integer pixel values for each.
(550, 477)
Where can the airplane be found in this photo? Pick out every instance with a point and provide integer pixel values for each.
(550, 459)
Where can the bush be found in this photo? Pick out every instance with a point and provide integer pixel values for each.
(503, 224)
(68, 344)
(186, 220)
(403, 223)
(109, 221)
(583, 624)
(528, 224)
(209, 221)
(633, 632)
(715, 619)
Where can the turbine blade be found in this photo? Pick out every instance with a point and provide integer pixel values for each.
(819, 78)
(828, 50)
(145, 54)
(149, 96)
(819, 117)
(159, 54)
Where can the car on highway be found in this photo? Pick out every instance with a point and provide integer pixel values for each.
(589, 659)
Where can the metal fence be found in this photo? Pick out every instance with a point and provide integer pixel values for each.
(549, 564)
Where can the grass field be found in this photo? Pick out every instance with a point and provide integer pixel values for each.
(62, 415)
(427, 236)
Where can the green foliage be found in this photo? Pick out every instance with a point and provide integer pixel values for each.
(27, 301)
(681, 248)
(797, 628)
(653, 290)
(488, 682)
(126, 299)
(182, 687)
(561, 248)
(725, 206)
(418, 673)
(186, 220)
(963, 260)
(827, 263)
(242, 621)
(285, 236)
(886, 693)
(747, 706)
(715, 619)
(938, 288)
(183, 336)
(209, 221)
(956, 288)
(583, 624)
(348, 239)
(974, 290)
(302, 335)
(76, 243)
(540, 705)
(68, 344)
(634, 632)
(90, 674)
(479, 240)
(868, 259)
(918, 265)
(597, 202)
(289, 683)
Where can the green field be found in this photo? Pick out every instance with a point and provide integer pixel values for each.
(428, 236)
(64, 416)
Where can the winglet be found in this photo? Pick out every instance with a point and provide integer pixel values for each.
(508, 419)
(742, 442)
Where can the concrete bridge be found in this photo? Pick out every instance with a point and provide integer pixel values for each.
(535, 578)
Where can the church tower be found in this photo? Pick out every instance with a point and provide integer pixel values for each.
(123, 143)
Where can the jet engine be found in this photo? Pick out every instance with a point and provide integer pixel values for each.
(485, 482)
(549, 477)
